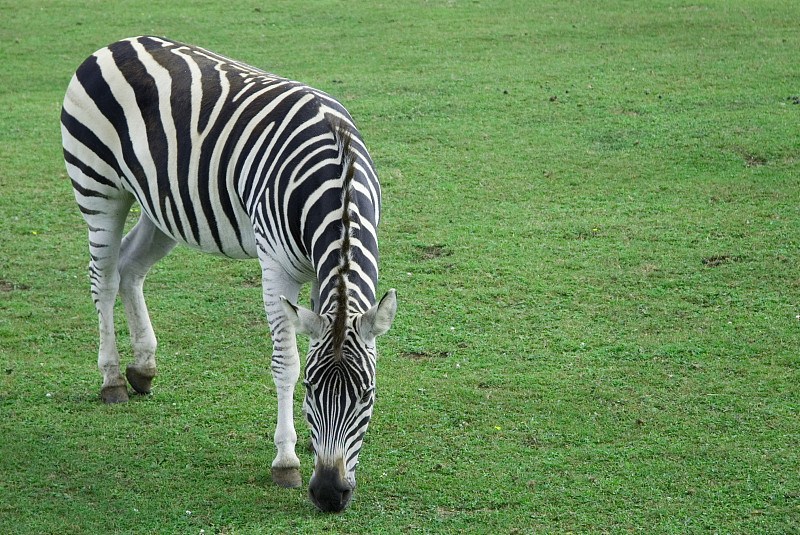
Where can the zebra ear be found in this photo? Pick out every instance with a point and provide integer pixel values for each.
(377, 320)
(304, 321)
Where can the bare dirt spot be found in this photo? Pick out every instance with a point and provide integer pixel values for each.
(716, 260)
(6, 286)
(649, 268)
(251, 282)
(532, 441)
(754, 161)
(429, 252)
(750, 159)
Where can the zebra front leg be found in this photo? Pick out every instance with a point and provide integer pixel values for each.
(142, 247)
(286, 465)
(285, 367)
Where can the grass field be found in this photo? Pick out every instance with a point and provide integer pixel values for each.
(592, 219)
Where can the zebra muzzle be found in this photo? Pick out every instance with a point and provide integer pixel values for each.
(328, 489)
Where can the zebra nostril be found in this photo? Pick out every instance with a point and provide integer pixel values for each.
(346, 497)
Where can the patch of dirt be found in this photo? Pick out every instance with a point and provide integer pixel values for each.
(417, 355)
(716, 260)
(429, 252)
(649, 268)
(581, 234)
(754, 161)
(6, 286)
(251, 282)
(532, 441)
(750, 159)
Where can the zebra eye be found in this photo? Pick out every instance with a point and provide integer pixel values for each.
(366, 395)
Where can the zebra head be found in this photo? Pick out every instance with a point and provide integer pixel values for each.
(340, 392)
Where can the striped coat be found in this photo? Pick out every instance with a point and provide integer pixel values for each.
(234, 161)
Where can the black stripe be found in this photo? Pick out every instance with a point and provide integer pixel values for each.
(87, 192)
(144, 88)
(88, 138)
(90, 76)
(88, 171)
(86, 211)
(180, 104)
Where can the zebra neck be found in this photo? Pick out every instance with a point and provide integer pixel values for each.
(344, 296)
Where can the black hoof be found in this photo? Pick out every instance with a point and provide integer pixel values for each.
(288, 478)
(138, 380)
(114, 394)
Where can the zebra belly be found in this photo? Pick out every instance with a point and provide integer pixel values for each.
(204, 215)
(239, 245)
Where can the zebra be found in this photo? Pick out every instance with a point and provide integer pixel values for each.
(234, 161)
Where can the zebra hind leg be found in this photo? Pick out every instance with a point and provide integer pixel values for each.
(142, 247)
(105, 235)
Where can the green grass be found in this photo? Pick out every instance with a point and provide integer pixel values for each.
(591, 215)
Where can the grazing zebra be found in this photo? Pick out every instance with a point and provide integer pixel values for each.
(234, 161)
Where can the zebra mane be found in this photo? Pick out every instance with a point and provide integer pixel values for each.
(343, 138)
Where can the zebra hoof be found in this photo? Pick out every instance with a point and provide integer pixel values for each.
(114, 394)
(138, 380)
(288, 478)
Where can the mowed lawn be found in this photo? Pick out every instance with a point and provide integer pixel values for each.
(592, 219)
